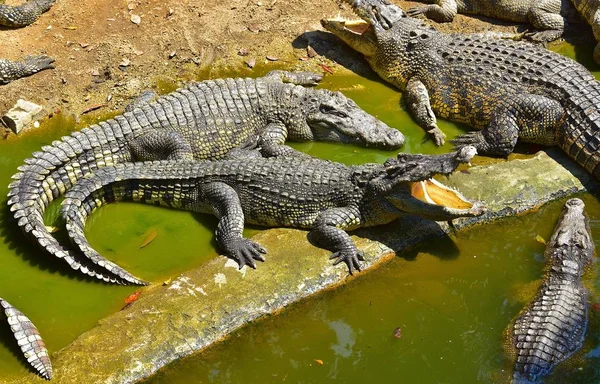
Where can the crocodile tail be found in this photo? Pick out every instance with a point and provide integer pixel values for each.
(29, 340)
(50, 172)
(581, 138)
(141, 181)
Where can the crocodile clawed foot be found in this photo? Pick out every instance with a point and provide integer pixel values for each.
(542, 37)
(416, 11)
(438, 137)
(351, 258)
(245, 251)
(474, 139)
(41, 62)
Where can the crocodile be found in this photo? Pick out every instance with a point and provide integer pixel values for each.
(590, 11)
(553, 326)
(203, 120)
(24, 14)
(13, 70)
(327, 197)
(29, 340)
(549, 16)
(509, 89)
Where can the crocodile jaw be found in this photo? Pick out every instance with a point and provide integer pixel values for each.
(433, 200)
(358, 34)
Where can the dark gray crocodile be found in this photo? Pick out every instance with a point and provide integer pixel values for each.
(509, 89)
(553, 325)
(326, 197)
(203, 120)
(590, 11)
(28, 339)
(13, 70)
(24, 14)
(550, 16)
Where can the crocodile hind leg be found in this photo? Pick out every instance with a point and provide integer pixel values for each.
(161, 144)
(226, 205)
(532, 118)
(329, 232)
(546, 15)
(29, 340)
(13, 70)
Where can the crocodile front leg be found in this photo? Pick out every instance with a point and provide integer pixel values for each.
(532, 118)
(272, 141)
(226, 205)
(297, 78)
(443, 11)
(545, 15)
(419, 106)
(161, 144)
(329, 232)
(13, 70)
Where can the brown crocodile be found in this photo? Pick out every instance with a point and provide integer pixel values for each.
(509, 89)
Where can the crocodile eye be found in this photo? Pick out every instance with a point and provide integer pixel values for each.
(328, 109)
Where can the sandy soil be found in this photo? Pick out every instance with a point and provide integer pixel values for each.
(103, 58)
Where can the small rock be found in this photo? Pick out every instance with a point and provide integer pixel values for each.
(243, 52)
(172, 54)
(125, 62)
(251, 63)
(170, 12)
(135, 19)
(95, 72)
(254, 27)
(310, 51)
(84, 45)
(22, 115)
(131, 7)
(272, 58)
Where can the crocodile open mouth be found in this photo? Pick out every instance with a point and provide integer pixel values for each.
(358, 27)
(432, 191)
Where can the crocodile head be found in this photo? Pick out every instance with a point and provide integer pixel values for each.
(384, 34)
(573, 232)
(333, 117)
(409, 185)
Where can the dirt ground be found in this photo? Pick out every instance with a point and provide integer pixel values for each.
(103, 58)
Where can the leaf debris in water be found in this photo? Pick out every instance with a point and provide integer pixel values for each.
(540, 239)
(319, 362)
(149, 237)
(133, 297)
(398, 333)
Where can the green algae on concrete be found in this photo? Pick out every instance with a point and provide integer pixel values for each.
(204, 305)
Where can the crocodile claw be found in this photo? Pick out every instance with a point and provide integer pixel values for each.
(40, 62)
(416, 11)
(245, 251)
(438, 137)
(351, 259)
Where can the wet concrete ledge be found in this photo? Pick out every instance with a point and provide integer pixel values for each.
(203, 305)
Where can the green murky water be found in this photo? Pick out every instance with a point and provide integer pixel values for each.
(452, 298)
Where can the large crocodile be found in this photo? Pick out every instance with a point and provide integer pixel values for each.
(13, 70)
(28, 339)
(326, 197)
(203, 120)
(590, 11)
(550, 16)
(509, 89)
(553, 325)
(24, 14)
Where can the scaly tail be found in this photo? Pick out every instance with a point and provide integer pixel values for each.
(49, 173)
(29, 340)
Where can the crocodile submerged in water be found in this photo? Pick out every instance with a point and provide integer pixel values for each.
(24, 14)
(326, 197)
(553, 326)
(28, 339)
(590, 11)
(509, 89)
(13, 70)
(550, 16)
(203, 120)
